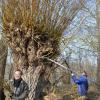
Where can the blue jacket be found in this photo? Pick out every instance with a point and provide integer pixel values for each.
(82, 83)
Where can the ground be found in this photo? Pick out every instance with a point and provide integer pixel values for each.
(93, 94)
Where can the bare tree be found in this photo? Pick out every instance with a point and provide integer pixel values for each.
(93, 39)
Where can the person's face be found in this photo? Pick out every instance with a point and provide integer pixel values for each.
(84, 74)
(17, 75)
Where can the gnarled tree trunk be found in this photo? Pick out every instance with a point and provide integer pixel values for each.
(35, 69)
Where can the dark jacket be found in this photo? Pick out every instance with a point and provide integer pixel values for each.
(82, 83)
(2, 95)
(19, 93)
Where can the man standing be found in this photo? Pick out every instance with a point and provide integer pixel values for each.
(82, 83)
(19, 88)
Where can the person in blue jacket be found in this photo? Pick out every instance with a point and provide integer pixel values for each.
(82, 83)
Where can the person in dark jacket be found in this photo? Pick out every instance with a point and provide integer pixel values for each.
(18, 87)
(2, 95)
(82, 83)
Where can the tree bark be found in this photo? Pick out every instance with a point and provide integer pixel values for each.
(3, 57)
(98, 37)
(35, 71)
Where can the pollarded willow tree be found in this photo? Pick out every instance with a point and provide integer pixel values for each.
(33, 29)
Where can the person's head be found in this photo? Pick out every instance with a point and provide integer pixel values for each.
(84, 73)
(17, 74)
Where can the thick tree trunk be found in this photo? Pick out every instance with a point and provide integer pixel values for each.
(98, 37)
(32, 80)
(98, 68)
(3, 57)
(36, 81)
(30, 75)
(35, 71)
